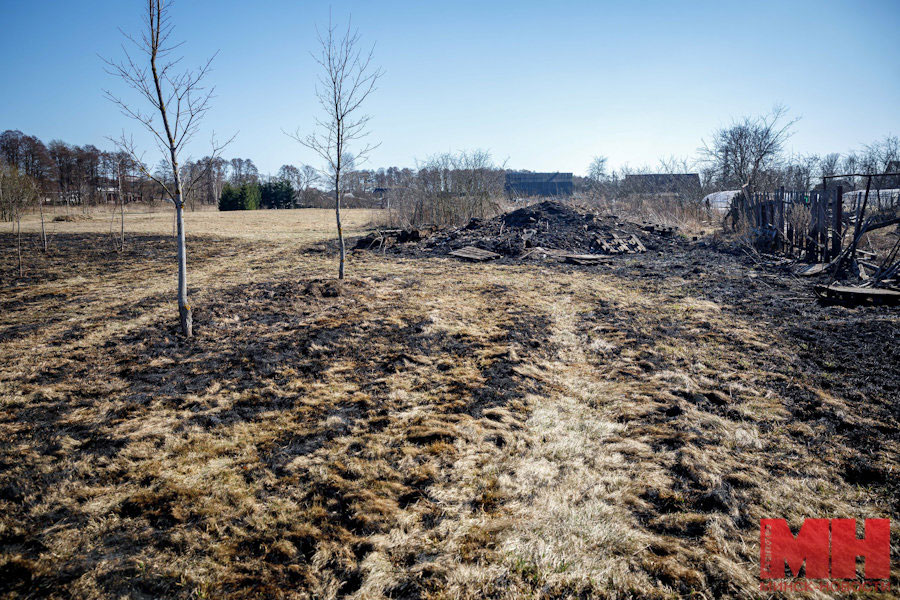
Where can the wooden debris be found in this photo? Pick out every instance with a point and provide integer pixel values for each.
(474, 254)
(409, 235)
(383, 238)
(585, 259)
(540, 252)
(619, 245)
(636, 243)
(814, 269)
(857, 295)
(663, 230)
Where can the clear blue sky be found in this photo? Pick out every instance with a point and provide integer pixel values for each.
(544, 85)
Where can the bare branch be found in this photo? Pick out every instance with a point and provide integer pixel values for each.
(346, 80)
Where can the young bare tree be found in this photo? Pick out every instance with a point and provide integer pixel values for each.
(740, 153)
(123, 165)
(348, 78)
(178, 100)
(40, 202)
(597, 176)
(17, 192)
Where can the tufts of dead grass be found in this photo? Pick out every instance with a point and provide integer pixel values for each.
(426, 429)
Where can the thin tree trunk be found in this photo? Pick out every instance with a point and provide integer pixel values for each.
(184, 309)
(337, 211)
(43, 231)
(121, 213)
(19, 240)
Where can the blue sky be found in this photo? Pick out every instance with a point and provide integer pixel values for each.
(542, 85)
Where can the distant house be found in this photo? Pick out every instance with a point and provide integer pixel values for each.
(663, 183)
(524, 183)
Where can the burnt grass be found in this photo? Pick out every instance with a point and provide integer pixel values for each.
(260, 355)
(292, 382)
(852, 353)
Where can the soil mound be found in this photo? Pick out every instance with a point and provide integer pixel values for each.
(549, 225)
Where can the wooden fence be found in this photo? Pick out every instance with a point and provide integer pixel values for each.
(808, 225)
(814, 225)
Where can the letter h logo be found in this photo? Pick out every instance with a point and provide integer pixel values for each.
(821, 539)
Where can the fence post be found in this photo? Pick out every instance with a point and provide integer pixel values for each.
(755, 209)
(805, 235)
(816, 200)
(823, 228)
(828, 225)
(780, 207)
(837, 223)
(789, 228)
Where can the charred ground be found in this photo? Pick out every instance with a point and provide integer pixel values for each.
(429, 428)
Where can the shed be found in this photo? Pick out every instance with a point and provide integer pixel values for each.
(663, 183)
(526, 183)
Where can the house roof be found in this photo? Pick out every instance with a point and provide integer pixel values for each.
(528, 177)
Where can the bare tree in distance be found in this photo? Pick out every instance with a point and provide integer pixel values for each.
(308, 177)
(301, 179)
(348, 78)
(597, 171)
(123, 164)
(742, 151)
(597, 176)
(178, 101)
(830, 164)
(18, 191)
(446, 189)
(879, 156)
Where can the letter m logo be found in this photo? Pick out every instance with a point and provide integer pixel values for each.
(779, 546)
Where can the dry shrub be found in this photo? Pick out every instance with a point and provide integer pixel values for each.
(798, 217)
(449, 189)
(690, 216)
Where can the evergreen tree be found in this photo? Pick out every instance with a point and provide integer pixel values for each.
(250, 196)
(276, 194)
(243, 197)
(230, 198)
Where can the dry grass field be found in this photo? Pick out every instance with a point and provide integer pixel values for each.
(427, 429)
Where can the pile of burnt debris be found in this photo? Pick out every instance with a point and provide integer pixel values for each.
(547, 230)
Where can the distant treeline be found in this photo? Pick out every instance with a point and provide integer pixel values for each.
(444, 189)
(85, 176)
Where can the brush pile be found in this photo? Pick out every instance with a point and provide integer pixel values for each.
(552, 227)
